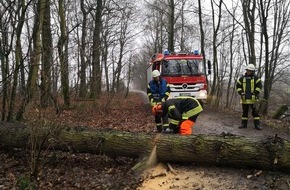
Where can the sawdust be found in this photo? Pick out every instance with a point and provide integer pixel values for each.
(210, 178)
(152, 160)
(161, 178)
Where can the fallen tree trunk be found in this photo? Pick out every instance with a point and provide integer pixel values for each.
(271, 153)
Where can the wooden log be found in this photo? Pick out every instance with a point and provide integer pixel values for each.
(271, 153)
(281, 110)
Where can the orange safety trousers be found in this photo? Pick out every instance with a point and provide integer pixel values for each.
(186, 127)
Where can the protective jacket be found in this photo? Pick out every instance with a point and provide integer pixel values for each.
(249, 87)
(181, 108)
(158, 91)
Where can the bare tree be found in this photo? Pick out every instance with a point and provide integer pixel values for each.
(63, 54)
(273, 55)
(171, 22)
(232, 51)
(108, 39)
(155, 27)
(201, 30)
(45, 85)
(216, 28)
(125, 34)
(18, 55)
(96, 63)
(249, 11)
(6, 44)
(83, 77)
(164, 19)
(35, 59)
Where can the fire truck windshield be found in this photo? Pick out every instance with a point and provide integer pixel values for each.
(182, 67)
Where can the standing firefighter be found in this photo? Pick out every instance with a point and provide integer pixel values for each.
(249, 86)
(158, 91)
(182, 111)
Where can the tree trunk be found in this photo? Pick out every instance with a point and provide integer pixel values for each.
(83, 77)
(96, 81)
(249, 9)
(21, 10)
(202, 37)
(62, 51)
(270, 153)
(47, 58)
(4, 72)
(171, 26)
(215, 83)
(35, 57)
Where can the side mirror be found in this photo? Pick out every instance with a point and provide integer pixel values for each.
(209, 67)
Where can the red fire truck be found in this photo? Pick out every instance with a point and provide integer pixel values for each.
(184, 72)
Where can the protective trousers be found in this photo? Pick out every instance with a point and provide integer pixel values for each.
(186, 127)
(255, 115)
(161, 122)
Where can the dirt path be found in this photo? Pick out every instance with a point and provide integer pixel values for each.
(213, 121)
(195, 177)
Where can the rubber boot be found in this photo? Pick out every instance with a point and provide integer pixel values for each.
(244, 124)
(176, 129)
(257, 125)
(159, 128)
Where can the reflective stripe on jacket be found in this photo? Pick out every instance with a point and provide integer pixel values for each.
(251, 86)
(157, 90)
(181, 108)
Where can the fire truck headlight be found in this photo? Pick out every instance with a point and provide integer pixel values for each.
(202, 95)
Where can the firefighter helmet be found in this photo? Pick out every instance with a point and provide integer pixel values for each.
(251, 67)
(157, 109)
(155, 73)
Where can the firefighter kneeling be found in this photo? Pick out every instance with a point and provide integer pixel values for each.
(182, 111)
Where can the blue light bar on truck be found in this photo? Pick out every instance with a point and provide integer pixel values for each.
(196, 52)
(166, 52)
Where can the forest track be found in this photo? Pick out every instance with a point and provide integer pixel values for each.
(215, 121)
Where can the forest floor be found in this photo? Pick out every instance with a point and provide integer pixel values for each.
(67, 170)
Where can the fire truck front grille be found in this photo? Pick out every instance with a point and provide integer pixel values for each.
(186, 87)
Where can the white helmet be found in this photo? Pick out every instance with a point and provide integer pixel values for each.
(251, 67)
(155, 73)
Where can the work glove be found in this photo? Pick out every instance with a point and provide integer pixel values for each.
(243, 96)
(167, 130)
(256, 95)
